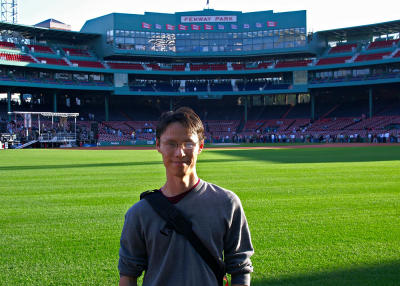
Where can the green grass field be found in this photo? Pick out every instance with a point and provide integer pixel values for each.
(321, 216)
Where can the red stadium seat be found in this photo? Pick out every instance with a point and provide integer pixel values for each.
(371, 57)
(331, 61)
(53, 61)
(344, 48)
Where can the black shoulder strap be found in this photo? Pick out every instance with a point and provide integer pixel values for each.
(181, 225)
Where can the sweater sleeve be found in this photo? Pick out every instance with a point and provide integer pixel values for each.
(238, 247)
(132, 252)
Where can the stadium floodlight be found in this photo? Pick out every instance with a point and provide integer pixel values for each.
(9, 11)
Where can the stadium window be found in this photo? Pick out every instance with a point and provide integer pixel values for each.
(129, 41)
(247, 47)
(247, 42)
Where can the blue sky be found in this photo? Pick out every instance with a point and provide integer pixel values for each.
(321, 14)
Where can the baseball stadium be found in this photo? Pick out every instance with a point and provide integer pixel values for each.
(303, 126)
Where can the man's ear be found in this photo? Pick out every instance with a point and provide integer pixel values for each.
(201, 146)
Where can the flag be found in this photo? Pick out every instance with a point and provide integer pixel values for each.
(258, 25)
(221, 27)
(170, 27)
(158, 27)
(146, 25)
(208, 27)
(182, 27)
(234, 27)
(271, 24)
(246, 26)
(196, 27)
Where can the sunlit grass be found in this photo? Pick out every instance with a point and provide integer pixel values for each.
(325, 216)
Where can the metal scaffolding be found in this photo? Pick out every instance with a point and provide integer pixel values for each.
(9, 11)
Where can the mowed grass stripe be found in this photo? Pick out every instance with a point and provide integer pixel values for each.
(324, 216)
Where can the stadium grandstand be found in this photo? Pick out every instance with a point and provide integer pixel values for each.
(252, 77)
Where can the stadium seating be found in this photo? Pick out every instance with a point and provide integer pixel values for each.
(382, 44)
(53, 61)
(332, 61)
(242, 66)
(238, 66)
(125, 66)
(220, 129)
(199, 67)
(16, 57)
(89, 64)
(371, 57)
(76, 52)
(264, 65)
(288, 64)
(342, 48)
(154, 67)
(8, 46)
(41, 49)
(178, 67)
(218, 67)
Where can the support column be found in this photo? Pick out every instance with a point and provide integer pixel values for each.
(106, 106)
(371, 103)
(312, 97)
(9, 104)
(245, 109)
(55, 102)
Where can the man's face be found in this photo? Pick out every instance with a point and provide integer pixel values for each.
(179, 149)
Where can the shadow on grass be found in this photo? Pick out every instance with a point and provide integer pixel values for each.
(311, 155)
(384, 274)
(315, 155)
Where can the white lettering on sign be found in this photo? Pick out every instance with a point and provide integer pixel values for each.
(209, 19)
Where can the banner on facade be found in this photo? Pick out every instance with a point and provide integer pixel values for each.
(209, 19)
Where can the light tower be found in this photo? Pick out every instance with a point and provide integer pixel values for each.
(9, 11)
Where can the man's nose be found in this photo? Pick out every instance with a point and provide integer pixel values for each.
(179, 150)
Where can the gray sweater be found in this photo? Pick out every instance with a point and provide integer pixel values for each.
(169, 259)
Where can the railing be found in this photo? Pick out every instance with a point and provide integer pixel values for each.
(57, 137)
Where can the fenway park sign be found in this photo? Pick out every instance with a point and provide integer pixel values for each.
(204, 19)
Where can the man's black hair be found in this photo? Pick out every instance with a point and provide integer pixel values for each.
(185, 116)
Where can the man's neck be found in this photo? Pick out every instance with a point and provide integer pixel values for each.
(178, 185)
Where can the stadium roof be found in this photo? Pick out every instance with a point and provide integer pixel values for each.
(50, 20)
(39, 33)
(378, 29)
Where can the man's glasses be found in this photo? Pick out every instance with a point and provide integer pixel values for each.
(186, 146)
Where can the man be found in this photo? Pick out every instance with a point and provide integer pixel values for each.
(168, 258)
